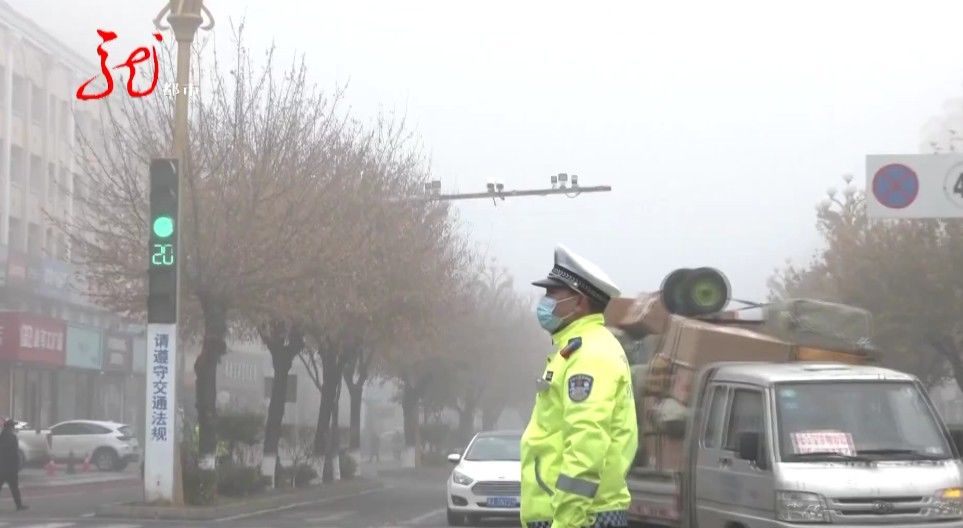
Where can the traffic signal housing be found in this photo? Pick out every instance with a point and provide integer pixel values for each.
(162, 268)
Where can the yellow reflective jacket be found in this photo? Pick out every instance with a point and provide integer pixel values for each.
(582, 436)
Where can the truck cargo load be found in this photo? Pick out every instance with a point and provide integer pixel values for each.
(794, 330)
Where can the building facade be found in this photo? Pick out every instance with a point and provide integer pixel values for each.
(61, 357)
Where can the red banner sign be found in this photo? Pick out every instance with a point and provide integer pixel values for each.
(32, 338)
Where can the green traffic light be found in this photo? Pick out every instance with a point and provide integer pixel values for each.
(163, 226)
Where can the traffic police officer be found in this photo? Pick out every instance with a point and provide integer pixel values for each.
(582, 436)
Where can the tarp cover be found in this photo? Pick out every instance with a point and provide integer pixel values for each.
(820, 324)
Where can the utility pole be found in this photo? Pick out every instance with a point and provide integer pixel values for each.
(165, 483)
(496, 191)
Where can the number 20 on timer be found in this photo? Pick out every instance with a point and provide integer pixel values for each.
(163, 253)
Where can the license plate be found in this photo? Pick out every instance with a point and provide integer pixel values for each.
(502, 502)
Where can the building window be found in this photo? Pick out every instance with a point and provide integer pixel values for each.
(36, 175)
(51, 183)
(62, 185)
(19, 95)
(18, 165)
(15, 235)
(49, 243)
(34, 239)
(52, 113)
(38, 104)
(62, 121)
(61, 247)
(78, 194)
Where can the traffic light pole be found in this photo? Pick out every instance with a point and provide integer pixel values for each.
(161, 461)
(185, 18)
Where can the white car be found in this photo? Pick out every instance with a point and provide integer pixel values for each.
(32, 444)
(486, 481)
(110, 445)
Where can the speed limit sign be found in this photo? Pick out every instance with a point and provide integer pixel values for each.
(953, 185)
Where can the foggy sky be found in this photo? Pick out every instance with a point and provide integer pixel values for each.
(719, 124)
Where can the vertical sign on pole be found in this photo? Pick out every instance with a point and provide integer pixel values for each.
(161, 414)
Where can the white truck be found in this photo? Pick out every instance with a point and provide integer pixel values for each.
(741, 428)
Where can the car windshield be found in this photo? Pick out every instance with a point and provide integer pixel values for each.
(490, 448)
(878, 420)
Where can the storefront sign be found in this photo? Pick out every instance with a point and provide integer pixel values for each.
(46, 277)
(54, 279)
(117, 353)
(32, 338)
(84, 348)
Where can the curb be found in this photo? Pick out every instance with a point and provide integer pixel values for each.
(244, 507)
(80, 487)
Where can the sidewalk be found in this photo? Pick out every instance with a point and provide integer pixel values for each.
(33, 478)
(228, 509)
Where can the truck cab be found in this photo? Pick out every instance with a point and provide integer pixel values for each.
(785, 444)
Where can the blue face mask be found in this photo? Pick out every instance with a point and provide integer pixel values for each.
(546, 313)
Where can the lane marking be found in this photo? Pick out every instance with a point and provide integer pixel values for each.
(49, 525)
(297, 505)
(336, 516)
(424, 517)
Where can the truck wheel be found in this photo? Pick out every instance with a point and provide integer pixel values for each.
(106, 459)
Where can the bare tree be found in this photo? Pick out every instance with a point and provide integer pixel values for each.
(263, 141)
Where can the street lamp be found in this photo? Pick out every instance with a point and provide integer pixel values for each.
(184, 17)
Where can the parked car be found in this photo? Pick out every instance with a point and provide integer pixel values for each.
(486, 481)
(110, 445)
(33, 444)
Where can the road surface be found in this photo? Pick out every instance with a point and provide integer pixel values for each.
(408, 499)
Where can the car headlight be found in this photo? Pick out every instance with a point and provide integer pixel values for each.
(461, 478)
(947, 503)
(797, 506)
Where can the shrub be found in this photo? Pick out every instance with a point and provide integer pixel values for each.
(434, 459)
(303, 475)
(240, 428)
(349, 466)
(240, 481)
(200, 486)
(300, 476)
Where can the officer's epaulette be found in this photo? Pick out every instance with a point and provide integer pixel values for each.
(573, 344)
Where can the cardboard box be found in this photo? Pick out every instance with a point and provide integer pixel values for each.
(640, 316)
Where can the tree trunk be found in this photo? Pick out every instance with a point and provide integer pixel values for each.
(283, 344)
(466, 421)
(490, 416)
(330, 389)
(279, 393)
(334, 441)
(355, 393)
(951, 353)
(357, 363)
(213, 347)
(409, 409)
